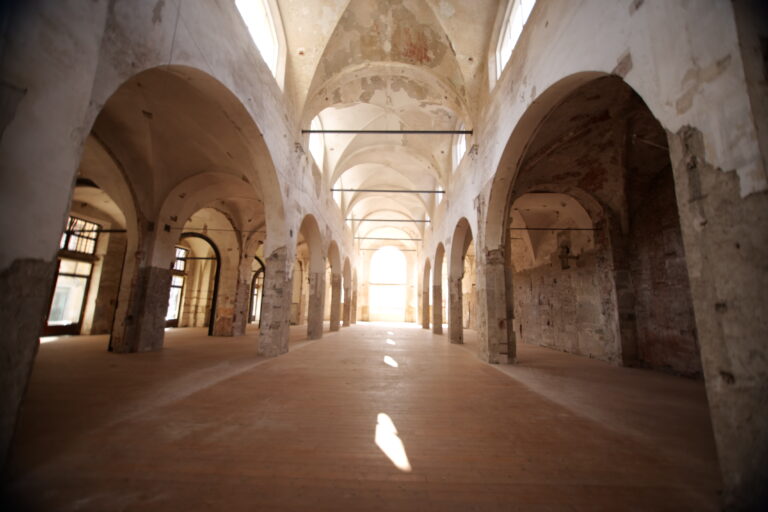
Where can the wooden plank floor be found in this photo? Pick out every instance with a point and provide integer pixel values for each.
(207, 425)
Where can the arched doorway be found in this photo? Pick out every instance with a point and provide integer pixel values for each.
(257, 292)
(594, 256)
(426, 295)
(461, 281)
(387, 288)
(310, 290)
(194, 283)
(439, 276)
(90, 262)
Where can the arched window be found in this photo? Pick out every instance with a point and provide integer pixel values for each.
(317, 143)
(514, 20)
(388, 276)
(262, 17)
(459, 147)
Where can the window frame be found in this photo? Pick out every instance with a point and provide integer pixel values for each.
(460, 144)
(182, 273)
(275, 21)
(504, 17)
(70, 233)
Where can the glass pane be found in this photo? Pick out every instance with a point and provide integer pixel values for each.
(67, 266)
(173, 304)
(83, 268)
(177, 281)
(81, 236)
(67, 300)
(180, 263)
(258, 19)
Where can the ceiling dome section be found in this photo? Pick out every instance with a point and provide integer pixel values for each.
(398, 32)
(389, 66)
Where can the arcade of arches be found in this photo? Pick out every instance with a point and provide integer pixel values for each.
(415, 194)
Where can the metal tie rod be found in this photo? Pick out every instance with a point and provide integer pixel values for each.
(396, 191)
(387, 220)
(554, 229)
(395, 132)
(402, 250)
(375, 238)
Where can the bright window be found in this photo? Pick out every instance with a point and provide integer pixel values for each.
(260, 18)
(459, 148)
(387, 288)
(177, 284)
(516, 16)
(69, 294)
(317, 144)
(80, 236)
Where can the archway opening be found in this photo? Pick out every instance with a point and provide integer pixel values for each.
(90, 262)
(257, 291)
(594, 246)
(194, 283)
(387, 287)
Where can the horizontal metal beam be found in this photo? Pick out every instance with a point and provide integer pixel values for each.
(554, 229)
(394, 191)
(379, 248)
(375, 238)
(393, 132)
(73, 231)
(388, 220)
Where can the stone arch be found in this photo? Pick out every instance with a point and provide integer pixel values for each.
(460, 242)
(595, 231)
(148, 98)
(437, 290)
(98, 166)
(334, 259)
(182, 119)
(216, 278)
(425, 294)
(518, 141)
(346, 316)
(309, 233)
(231, 286)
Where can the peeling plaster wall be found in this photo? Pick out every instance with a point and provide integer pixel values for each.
(52, 101)
(684, 60)
(572, 310)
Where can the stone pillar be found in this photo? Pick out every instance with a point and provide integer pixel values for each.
(494, 320)
(726, 247)
(276, 304)
(437, 310)
(425, 308)
(139, 324)
(353, 312)
(316, 304)
(455, 307)
(26, 291)
(109, 284)
(45, 100)
(335, 301)
(242, 296)
(623, 320)
(347, 310)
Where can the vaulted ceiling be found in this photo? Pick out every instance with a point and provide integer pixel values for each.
(387, 65)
